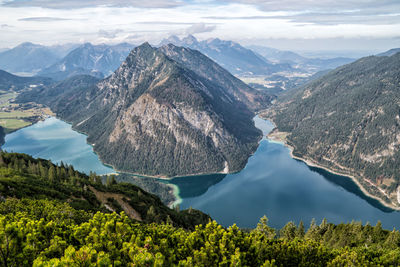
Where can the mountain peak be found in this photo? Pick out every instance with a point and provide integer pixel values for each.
(28, 45)
(189, 40)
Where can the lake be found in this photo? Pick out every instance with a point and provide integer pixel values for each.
(272, 183)
(282, 188)
(55, 140)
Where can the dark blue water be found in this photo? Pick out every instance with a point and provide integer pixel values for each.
(272, 183)
(55, 140)
(284, 189)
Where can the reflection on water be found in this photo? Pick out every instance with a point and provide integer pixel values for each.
(193, 186)
(347, 184)
(284, 189)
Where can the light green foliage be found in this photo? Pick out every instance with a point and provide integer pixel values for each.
(114, 239)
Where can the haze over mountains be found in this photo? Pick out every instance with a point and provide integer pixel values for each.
(348, 121)
(96, 60)
(168, 111)
(300, 62)
(230, 55)
(31, 58)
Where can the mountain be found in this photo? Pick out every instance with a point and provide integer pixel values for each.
(348, 121)
(155, 116)
(208, 69)
(96, 60)
(300, 62)
(389, 53)
(27, 57)
(230, 55)
(9, 81)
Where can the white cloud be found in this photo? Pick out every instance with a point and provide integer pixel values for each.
(74, 4)
(243, 21)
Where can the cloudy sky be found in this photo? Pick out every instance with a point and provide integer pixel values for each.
(341, 25)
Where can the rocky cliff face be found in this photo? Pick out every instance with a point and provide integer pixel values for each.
(156, 116)
(348, 121)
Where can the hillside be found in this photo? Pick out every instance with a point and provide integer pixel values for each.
(23, 177)
(348, 121)
(155, 116)
(232, 56)
(10, 82)
(95, 60)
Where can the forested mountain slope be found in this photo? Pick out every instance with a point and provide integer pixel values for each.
(156, 116)
(349, 121)
(23, 177)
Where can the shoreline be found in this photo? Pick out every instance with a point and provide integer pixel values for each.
(310, 162)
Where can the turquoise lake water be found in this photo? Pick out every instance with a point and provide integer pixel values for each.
(272, 183)
(55, 140)
(284, 189)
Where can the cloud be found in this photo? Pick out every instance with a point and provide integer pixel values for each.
(199, 28)
(109, 34)
(3, 26)
(320, 5)
(238, 17)
(323, 12)
(74, 4)
(163, 23)
(43, 19)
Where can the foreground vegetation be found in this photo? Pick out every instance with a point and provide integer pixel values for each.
(51, 233)
(22, 176)
(52, 215)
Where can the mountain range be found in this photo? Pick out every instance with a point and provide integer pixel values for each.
(31, 58)
(96, 60)
(300, 62)
(232, 56)
(348, 121)
(164, 112)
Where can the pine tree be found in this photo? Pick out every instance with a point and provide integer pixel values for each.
(288, 231)
(262, 227)
(300, 230)
(52, 174)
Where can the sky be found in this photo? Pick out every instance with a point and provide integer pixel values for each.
(312, 26)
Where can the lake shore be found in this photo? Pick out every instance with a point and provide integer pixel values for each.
(280, 137)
